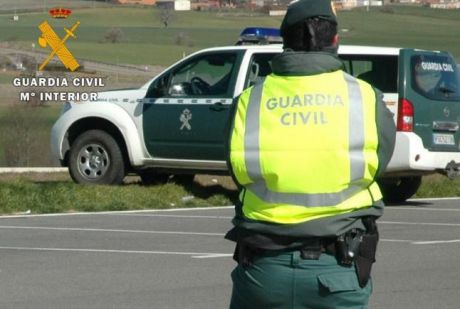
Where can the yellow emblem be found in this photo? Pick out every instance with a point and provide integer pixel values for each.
(49, 37)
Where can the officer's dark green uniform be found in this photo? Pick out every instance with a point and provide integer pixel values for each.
(306, 146)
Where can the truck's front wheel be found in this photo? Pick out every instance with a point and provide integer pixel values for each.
(96, 158)
(398, 190)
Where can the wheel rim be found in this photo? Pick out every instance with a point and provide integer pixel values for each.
(93, 161)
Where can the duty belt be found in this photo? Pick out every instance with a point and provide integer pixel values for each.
(356, 247)
(311, 250)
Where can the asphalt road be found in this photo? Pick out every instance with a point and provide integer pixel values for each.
(179, 259)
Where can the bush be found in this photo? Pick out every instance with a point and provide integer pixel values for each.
(113, 35)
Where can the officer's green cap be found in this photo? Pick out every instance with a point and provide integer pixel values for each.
(302, 9)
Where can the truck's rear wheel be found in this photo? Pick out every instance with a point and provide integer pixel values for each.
(96, 158)
(397, 190)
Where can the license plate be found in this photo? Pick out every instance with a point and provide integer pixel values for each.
(443, 139)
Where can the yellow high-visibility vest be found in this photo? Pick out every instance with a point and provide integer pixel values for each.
(305, 147)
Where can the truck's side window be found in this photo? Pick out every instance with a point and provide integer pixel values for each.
(208, 75)
(260, 66)
(379, 71)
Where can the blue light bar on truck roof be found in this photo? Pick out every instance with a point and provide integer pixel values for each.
(258, 35)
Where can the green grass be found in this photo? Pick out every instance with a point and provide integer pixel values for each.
(146, 41)
(21, 195)
(59, 194)
(24, 135)
(6, 79)
(416, 27)
(47, 114)
(439, 186)
(122, 54)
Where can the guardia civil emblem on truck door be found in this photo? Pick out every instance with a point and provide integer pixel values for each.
(185, 118)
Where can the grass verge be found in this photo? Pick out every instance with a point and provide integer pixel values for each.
(56, 193)
(24, 135)
(26, 194)
(438, 186)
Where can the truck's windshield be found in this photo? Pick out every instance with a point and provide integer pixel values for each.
(435, 76)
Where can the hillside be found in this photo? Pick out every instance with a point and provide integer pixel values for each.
(143, 39)
(36, 5)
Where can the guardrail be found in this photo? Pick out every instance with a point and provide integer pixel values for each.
(23, 170)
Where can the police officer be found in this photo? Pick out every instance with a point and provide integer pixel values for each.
(306, 146)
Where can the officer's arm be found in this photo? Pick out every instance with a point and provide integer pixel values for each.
(229, 128)
(228, 137)
(386, 133)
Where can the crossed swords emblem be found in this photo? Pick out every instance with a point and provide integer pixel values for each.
(185, 118)
(49, 37)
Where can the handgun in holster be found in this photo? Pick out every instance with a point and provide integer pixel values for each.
(347, 247)
(367, 250)
(359, 247)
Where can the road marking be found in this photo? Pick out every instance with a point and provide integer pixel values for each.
(422, 242)
(201, 254)
(434, 242)
(396, 240)
(108, 230)
(179, 216)
(417, 223)
(211, 256)
(153, 211)
(434, 199)
(122, 212)
(23, 170)
(421, 208)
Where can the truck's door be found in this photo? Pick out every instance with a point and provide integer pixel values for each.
(431, 89)
(186, 110)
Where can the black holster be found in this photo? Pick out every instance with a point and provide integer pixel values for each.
(367, 250)
(245, 255)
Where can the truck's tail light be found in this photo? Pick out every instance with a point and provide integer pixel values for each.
(405, 121)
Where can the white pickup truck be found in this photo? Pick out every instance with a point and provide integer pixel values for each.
(175, 124)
